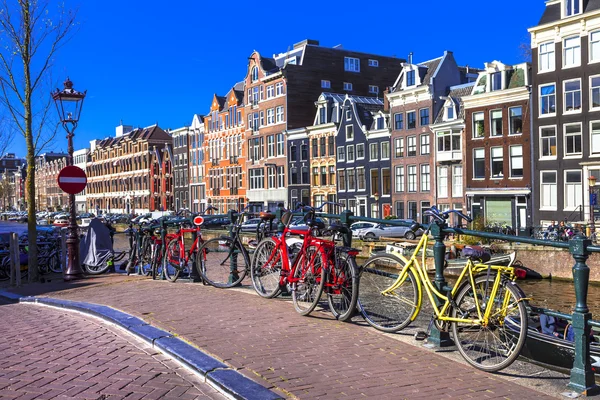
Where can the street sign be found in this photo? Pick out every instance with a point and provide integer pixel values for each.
(72, 179)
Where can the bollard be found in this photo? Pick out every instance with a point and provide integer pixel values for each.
(345, 219)
(63, 249)
(437, 337)
(278, 214)
(233, 264)
(582, 375)
(17, 258)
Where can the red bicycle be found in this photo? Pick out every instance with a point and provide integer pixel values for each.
(314, 266)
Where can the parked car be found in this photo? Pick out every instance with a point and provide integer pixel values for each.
(390, 231)
(359, 227)
(250, 225)
(211, 222)
(61, 221)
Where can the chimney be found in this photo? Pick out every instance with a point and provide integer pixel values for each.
(386, 102)
(410, 57)
(123, 129)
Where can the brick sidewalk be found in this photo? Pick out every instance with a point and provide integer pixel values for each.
(307, 357)
(47, 353)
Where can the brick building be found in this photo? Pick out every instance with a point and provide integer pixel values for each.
(49, 196)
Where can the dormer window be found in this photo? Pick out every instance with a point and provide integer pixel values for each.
(410, 78)
(449, 112)
(254, 74)
(572, 7)
(496, 81)
(380, 123)
(322, 115)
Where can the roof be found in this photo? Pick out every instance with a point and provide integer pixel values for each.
(455, 95)
(431, 68)
(339, 98)
(136, 134)
(552, 13)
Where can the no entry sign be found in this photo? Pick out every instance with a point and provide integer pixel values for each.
(72, 179)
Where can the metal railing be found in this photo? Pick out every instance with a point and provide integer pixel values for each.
(580, 247)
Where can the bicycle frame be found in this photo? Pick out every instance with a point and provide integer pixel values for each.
(436, 297)
(180, 237)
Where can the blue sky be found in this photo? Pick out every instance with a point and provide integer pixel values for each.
(146, 62)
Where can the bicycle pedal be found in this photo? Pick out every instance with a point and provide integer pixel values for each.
(421, 335)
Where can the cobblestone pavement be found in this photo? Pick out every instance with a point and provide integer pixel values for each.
(47, 353)
(305, 357)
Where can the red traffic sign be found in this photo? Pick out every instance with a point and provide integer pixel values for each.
(72, 179)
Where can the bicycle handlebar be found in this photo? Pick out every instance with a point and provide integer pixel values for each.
(442, 216)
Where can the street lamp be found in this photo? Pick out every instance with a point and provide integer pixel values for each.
(593, 202)
(69, 103)
(376, 197)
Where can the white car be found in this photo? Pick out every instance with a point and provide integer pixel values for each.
(358, 227)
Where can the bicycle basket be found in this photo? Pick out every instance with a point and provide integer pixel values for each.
(286, 217)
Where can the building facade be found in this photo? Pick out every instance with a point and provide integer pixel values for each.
(12, 169)
(566, 109)
(80, 159)
(49, 196)
(498, 147)
(225, 162)
(196, 160)
(181, 181)
(299, 183)
(127, 172)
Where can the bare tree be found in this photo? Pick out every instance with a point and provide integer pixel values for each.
(31, 33)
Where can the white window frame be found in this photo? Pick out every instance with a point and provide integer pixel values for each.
(348, 86)
(424, 144)
(374, 89)
(338, 153)
(279, 114)
(492, 126)
(569, 13)
(373, 63)
(501, 175)
(574, 110)
(577, 154)
(270, 116)
(411, 183)
(551, 157)
(553, 193)
(371, 155)
(594, 39)
(350, 146)
(515, 157)
(409, 139)
(270, 91)
(475, 158)
(381, 154)
(546, 49)
(592, 153)
(442, 183)
(399, 183)
(474, 121)
(279, 89)
(325, 84)
(351, 64)
(576, 56)
(576, 191)
(457, 181)
(540, 97)
(510, 119)
(351, 131)
(425, 171)
(591, 94)
(363, 151)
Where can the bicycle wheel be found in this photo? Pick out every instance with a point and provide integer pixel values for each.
(342, 290)
(309, 279)
(173, 261)
(157, 262)
(5, 269)
(265, 270)
(497, 344)
(54, 263)
(222, 262)
(394, 311)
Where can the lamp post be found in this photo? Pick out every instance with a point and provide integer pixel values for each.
(376, 197)
(69, 103)
(593, 202)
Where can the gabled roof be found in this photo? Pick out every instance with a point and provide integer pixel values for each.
(339, 98)
(365, 108)
(136, 134)
(455, 95)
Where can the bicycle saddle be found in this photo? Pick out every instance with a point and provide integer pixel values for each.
(266, 216)
(476, 252)
(337, 227)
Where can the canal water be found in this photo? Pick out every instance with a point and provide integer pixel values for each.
(554, 294)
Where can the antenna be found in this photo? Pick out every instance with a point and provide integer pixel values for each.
(410, 57)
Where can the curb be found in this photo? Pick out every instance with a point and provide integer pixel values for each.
(224, 378)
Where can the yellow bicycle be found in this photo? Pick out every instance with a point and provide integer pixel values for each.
(485, 309)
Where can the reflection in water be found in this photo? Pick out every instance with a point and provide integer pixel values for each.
(560, 295)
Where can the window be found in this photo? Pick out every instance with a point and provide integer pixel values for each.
(293, 153)
(271, 146)
(548, 190)
(571, 52)
(425, 147)
(595, 91)
(322, 115)
(304, 175)
(425, 178)
(315, 148)
(270, 116)
(398, 121)
(595, 46)
(424, 116)
(595, 137)
(341, 154)
(347, 86)
(516, 161)
(304, 152)
(478, 125)
(448, 141)
(348, 115)
(280, 144)
(496, 123)
(411, 118)
(546, 56)
(349, 132)
(279, 89)
(412, 210)
(331, 145)
(573, 189)
(271, 177)
(270, 91)
(400, 209)
(373, 152)
(315, 176)
(360, 151)
(457, 181)
(373, 63)
(497, 162)
(572, 90)
(361, 180)
(399, 147)
(342, 179)
(351, 64)
(375, 182)
(547, 99)
(373, 89)
(442, 182)
(496, 83)
(351, 179)
(410, 78)
(350, 153)
(322, 147)
(331, 175)
(478, 163)
(515, 120)
(572, 139)
(449, 112)
(325, 84)
(281, 176)
(572, 7)
(386, 182)
(254, 74)
(380, 123)
(399, 178)
(412, 146)
(279, 117)
(548, 141)
(412, 178)
(257, 178)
